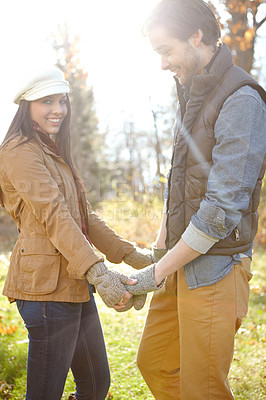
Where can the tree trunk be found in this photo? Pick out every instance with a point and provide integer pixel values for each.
(242, 31)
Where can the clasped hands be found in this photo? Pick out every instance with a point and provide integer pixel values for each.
(120, 291)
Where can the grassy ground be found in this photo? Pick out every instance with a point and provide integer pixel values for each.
(122, 333)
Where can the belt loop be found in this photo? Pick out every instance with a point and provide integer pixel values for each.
(44, 309)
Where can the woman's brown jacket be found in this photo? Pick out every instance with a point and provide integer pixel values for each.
(51, 254)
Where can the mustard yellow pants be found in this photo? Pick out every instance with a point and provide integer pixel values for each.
(188, 340)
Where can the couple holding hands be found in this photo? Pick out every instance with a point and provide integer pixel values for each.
(199, 268)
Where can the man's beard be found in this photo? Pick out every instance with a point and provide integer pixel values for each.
(192, 65)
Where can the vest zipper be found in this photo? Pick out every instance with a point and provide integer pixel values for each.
(237, 234)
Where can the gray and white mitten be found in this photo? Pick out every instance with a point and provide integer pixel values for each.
(109, 284)
(157, 254)
(138, 258)
(146, 282)
(137, 302)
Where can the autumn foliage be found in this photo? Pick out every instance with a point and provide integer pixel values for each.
(9, 330)
(243, 25)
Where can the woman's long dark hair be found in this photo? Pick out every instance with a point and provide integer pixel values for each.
(22, 126)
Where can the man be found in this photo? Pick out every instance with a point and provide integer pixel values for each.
(217, 167)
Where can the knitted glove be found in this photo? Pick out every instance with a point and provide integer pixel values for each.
(146, 282)
(137, 301)
(109, 284)
(138, 258)
(157, 254)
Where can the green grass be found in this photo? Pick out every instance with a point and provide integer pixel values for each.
(122, 333)
(248, 371)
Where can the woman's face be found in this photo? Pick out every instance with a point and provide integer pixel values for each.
(49, 112)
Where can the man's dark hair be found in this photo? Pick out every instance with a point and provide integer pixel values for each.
(182, 18)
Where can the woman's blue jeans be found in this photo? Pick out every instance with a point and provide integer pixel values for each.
(62, 336)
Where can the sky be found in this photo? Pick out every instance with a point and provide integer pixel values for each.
(122, 67)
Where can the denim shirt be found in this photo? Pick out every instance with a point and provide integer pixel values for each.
(237, 159)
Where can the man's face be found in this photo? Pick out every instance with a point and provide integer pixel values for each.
(177, 56)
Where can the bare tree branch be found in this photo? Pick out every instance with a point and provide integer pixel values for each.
(258, 25)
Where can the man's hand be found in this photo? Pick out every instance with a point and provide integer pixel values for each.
(146, 281)
(127, 301)
(137, 302)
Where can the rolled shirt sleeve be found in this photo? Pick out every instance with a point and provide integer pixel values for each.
(198, 240)
(237, 160)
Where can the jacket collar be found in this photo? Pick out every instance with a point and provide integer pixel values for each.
(45, 138)
(45, 147)
(202, 84)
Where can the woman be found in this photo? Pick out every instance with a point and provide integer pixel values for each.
(54, 254)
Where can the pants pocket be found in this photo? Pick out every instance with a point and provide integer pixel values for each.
(20, 304)
(243, 276)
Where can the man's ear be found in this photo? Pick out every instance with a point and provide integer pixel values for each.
(195, 39)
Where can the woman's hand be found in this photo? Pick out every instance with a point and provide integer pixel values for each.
(137, 302)
(157, 253)
(138, 258)
(110, 285)
(127, 301)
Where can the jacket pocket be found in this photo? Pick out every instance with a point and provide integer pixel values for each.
(39, 266)
(243, 276)
(20, 304)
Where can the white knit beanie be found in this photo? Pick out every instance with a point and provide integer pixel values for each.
(40, 84)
